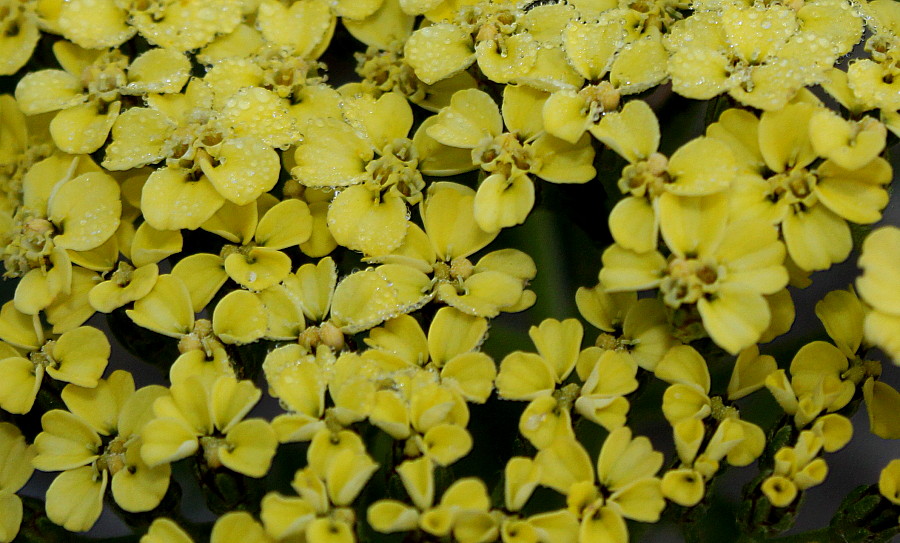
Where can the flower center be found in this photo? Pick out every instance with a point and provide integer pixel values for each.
(29, 245)
(794, 187)
(688, 280)
(113, 457)
(505, 155)
(646, 177)
(396, 170)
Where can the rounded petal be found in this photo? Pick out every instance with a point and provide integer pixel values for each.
(240, 318)
(75, 498)
(172, 200)
(251, 447)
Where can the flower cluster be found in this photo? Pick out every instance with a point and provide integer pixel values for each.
(330, 222)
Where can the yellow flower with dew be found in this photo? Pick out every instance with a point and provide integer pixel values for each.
(539, 379)
(192, 418)
(489, 33)
(88, 92)
(386, 70)
(19, 34)
(255, 259)
(374, 163)
(623, 486)
(783, 181)
(69, 208)
(720, 268)
(874, 80)
(78, 356)
(613, 60)
(15, 457)
(877, 287)
(637, 328)
(408, 402)
(506, 196)
(180, 26)
(211, 154)
(95, 444)
(652, 182)
(26, 141)
(761, 55)
(494, 283)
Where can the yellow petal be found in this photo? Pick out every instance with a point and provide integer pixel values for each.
(259, 268)
(244, 168)
(87, 211)
(471, 117)
(502, 202)
(250, 447)
(816, 238)
(882, 402)
(367, 221)
(735, 319)
(239, 318)
(166, 309)
(439, 51)
(203, 275)
(83, 128)
(75, 498)
(150, 245)
(634, 225)
(633, 132)
(171, 200)
(158, 71)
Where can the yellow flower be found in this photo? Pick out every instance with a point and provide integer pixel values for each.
(506, 196)
(19, 35)
(207, 160)
(96, 443)
(799, 467)
(637, 328)
(69, 208)
(722, 268)
(79, 356)
(877, 287)
(462, 508)
(625, 486)
(740, 49)
(374, 162)
(451, 346)
(489, 33)
(191, 417)
(15, 457)
(386, 70)
(810, 202)
(88, 91)
(652, 182)
(493, 284)
(126, 284)
(338, 470)
(599, 48)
